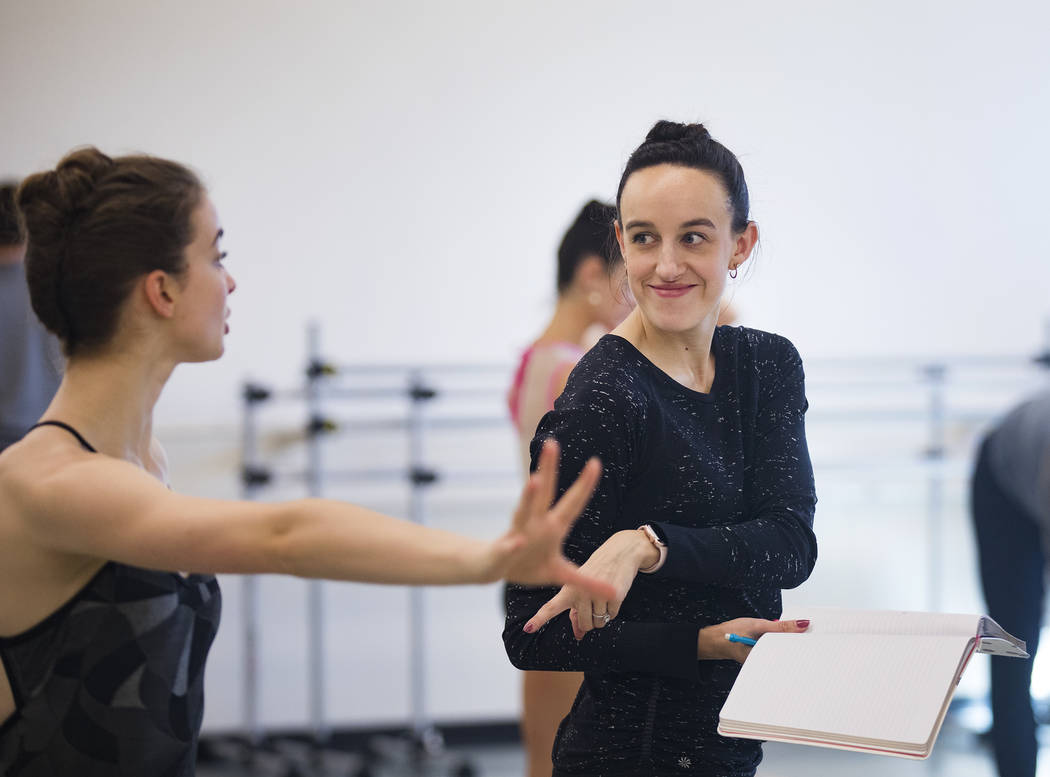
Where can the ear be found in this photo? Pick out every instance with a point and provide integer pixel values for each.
(161, 292)
(590, 272)
(744, 245)
(619, 236)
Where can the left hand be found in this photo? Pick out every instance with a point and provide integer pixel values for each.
(711, 642)
(616, 562)
(530, 552)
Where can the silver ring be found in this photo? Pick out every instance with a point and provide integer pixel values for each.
(603, 617)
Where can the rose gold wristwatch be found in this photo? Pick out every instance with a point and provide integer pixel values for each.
(660, 545)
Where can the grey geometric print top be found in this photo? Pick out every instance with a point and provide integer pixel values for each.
(726, 478)
(112, 683)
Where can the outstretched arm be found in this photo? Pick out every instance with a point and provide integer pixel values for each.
(94, 505)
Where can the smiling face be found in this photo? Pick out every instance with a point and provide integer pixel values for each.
(677, 241)
(204, 286)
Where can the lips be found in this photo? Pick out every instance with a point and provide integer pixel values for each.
(669, 291)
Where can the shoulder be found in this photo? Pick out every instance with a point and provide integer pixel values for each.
(764, 354)
(758, 345)
(610, 376)
(30, 469)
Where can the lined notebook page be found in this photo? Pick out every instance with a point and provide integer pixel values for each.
(883, 688)
(834, 620)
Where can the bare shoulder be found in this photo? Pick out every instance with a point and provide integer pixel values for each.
(41, 575)
(28, 468)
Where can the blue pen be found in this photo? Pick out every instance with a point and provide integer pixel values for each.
(741, 640)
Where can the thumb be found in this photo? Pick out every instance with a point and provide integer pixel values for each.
(558, 604)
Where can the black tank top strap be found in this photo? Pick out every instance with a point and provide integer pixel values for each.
(68, 428)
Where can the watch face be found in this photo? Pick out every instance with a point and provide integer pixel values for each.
(653, 536)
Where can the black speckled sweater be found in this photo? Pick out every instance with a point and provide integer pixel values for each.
(726, 478)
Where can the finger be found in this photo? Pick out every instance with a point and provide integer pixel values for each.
(598, 610)
(583, 613)
(558, 604)
(567, 573)
(578, 494)
(526, 504)
(574, 619)
(788, 627)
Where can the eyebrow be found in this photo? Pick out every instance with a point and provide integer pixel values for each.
(701, 222)
(218, 234)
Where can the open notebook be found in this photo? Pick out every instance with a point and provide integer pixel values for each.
(876, 681)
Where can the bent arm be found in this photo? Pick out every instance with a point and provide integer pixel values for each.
(667, 649)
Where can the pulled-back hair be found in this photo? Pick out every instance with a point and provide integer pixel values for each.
(11, 230)
(591, 234)
(95, 225)
(691, 145)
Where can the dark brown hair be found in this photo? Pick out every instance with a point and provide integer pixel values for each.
(691, 145)
(591, 234)
(11, 230)
(96, 225)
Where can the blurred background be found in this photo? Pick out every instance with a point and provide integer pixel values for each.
(399, 175)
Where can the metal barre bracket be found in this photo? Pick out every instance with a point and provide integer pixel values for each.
(254, 392)
(320, 425)
(317, 369)
(420, 476)
(256, 476)
(420, 393)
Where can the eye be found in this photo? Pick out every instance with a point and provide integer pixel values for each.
(221, 257)
(643, 238)
(694, 238)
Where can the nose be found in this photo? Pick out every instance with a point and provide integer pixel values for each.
(231, 284)
(668, 266)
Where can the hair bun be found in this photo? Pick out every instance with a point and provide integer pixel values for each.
(63, 192)
(672, 131)
(50, 203)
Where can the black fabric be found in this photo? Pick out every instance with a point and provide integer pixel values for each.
(63, 425)
(727, 478)
(112, 683)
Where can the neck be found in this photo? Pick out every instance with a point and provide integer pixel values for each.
(685, 356)
(110, 399)
(572, 317)
(12, 254)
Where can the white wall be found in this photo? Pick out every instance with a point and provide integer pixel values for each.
(401, 171)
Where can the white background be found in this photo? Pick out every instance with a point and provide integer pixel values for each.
(401, 172)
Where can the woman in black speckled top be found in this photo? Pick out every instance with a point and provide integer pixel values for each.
(702, 438)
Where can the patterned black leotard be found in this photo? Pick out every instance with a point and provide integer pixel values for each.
(111, 683)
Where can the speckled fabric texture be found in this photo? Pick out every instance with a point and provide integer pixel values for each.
(726, 477)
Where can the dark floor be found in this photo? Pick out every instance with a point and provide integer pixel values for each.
(958, 753)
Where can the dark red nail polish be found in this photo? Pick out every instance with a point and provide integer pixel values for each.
(529, 628)
(803, 624)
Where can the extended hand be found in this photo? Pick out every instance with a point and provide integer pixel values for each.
(616, 562)
(531, 551)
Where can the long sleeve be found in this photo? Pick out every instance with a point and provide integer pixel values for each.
(667, 649)
(595, 418)
(774, 544)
